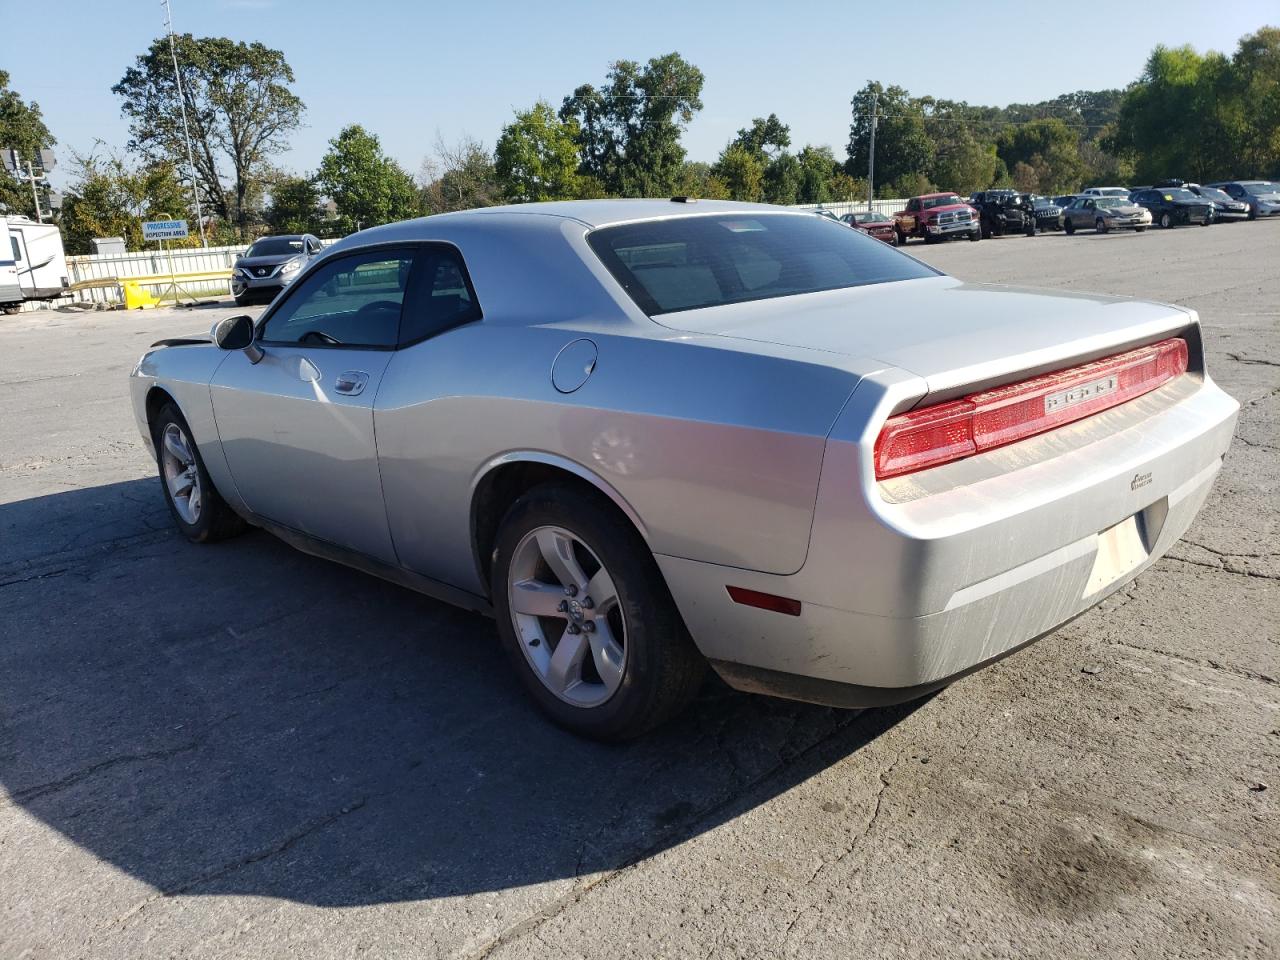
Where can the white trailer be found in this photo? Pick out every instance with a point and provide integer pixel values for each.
(33, 265)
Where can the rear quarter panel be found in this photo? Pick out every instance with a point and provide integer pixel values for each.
(717, 451)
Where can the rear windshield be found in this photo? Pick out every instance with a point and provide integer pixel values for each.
(704, 261)
(275, 246)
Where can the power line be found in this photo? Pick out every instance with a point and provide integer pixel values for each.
(186, 131)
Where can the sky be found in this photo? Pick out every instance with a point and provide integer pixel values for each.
(411, 70)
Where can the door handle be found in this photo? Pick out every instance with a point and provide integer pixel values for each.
(351, 383)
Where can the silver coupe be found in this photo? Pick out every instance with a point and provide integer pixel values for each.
(650, 436)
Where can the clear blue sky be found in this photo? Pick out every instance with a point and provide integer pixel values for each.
(407, 69)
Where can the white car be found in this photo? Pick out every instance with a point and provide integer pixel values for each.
(1106, 192)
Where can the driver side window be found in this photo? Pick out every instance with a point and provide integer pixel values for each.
(351, 301)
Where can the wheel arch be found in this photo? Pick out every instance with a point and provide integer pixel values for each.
(501, 481)
(157, 397)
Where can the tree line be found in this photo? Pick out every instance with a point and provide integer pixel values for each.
(1201, 116)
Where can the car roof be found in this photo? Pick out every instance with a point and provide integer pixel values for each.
(601, 213)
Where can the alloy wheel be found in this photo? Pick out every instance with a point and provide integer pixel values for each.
(566, 614)
(181, 473)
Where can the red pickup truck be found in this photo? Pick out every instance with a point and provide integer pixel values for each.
(937, 216)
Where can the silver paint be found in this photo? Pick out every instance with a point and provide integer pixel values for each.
(737, 439)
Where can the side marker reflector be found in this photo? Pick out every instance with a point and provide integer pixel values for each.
(765, 601)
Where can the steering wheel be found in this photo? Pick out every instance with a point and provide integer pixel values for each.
(374, 305)
(319, 336)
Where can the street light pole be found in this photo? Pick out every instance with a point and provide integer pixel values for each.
(871, 154)
(186, 131)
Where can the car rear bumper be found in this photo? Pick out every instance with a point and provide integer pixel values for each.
(900, 597)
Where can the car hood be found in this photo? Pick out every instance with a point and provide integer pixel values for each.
(273, 260)
(952, 334)
(945, 208)
(1124, 210)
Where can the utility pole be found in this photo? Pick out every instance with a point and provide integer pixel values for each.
(35, 194)
(186, 131)
(871, 154)
(14, 163)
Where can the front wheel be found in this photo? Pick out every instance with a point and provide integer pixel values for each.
(586, 618)
(1100, 225)
(975, 235)
(196, 506)
(1069, 228)
(1166, 221)
(902, 238)
(1139, 229)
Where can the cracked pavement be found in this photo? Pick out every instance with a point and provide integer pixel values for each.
(241, 751)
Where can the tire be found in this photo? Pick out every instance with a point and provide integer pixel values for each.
(901, 237)
(1100, 225)
(244, 300)
(1139, 229)
(985, 230)
(209, 519)
(1069, 227)
(975, 235)
(661, 670)
(1166, 221)
(894, 241)
(1253, 214)
(13, 310)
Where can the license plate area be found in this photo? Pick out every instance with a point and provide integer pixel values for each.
(1124, 547)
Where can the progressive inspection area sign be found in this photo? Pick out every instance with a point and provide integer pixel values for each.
(164, 230)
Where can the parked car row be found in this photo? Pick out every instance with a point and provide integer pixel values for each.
(933, 217)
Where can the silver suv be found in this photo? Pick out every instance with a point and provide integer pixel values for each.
(270, 265)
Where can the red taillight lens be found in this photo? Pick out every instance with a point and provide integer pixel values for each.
(982, 421)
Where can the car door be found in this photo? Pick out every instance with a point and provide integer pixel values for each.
(297, 425)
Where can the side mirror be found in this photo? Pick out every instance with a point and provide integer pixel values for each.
(236, 333)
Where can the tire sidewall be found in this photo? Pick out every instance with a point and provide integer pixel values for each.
(648, 611)
(202, 529)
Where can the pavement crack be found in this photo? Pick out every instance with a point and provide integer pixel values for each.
(257, 856)
(1252, 360)
(48, 574)
(1199, 662)
(1253, 574)
(54, 786)
(867, 827)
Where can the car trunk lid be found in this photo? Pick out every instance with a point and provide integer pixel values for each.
(957, 336)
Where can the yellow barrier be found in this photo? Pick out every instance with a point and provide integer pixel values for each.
(136, 298)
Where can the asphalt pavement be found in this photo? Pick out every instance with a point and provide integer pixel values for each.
(242, 751)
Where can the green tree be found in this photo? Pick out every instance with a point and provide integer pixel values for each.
(697, 179)
(1049, 147)
(741, 172)
(537, 156)
(629, 130)
(295, 206)
(367, 186)
(962, 162)
(783, 176)
(22, 127)
(767, 136)
(1181, 117)
(1256, 104)
(462, 176)
(239, 108)
(904, 149)
(109, 198)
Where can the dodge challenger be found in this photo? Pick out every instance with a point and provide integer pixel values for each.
(652, 437)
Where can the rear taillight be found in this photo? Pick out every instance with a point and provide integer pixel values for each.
(983, 421)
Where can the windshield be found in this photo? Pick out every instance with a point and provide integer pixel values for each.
(275, 246)
(1110, 203)
(869, 216)
(928, 203)
(1112, 191)
(705, 261)
(1177, 193)
(1261, 188)
(1210, 193)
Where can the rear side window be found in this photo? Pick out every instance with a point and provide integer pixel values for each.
(685, 263)
(443, 297)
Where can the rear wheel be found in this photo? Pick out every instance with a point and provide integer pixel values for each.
(195, 504)
(586, 618)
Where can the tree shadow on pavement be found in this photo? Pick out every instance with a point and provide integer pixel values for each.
(242, 718)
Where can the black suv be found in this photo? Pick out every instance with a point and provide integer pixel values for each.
(1170, 206)
(1003, 211)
